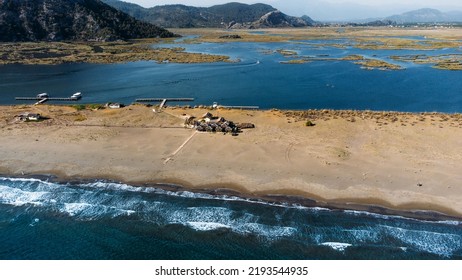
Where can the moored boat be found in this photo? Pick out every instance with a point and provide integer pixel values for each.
(76, 95)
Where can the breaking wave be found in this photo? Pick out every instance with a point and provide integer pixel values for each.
(206, 214)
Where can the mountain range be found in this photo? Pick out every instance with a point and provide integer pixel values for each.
(57, 20)
(427, 16)
(230, 15)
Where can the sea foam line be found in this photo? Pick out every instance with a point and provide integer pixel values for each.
(101, 184)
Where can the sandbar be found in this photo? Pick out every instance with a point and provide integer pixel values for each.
(401, 161)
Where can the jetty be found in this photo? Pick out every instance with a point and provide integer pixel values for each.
(240, 107)
(48, 98)
(163, 100)
(43, 97)
(146, 100)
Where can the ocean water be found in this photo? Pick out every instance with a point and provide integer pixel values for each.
(41, 219)
(258, 79)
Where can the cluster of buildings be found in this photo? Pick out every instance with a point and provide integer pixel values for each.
(29, 117)
(209, 123)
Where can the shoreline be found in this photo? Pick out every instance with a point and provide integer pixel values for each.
(381, 162)
(280, 200)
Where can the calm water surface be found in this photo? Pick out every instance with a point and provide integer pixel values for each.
(258, 79)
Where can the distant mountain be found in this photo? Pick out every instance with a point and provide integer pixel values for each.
(227, 15)
(427, 16)
(56, 20)
(274, 19)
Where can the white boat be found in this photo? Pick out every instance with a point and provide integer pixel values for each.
(42, 95)
(76, 95)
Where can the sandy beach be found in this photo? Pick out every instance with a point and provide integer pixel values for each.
(400, 161)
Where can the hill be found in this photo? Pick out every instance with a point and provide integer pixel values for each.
(227, 15)
(427, 16)
(58, 20)
(275, 19)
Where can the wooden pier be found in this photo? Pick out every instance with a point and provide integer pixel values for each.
(240, 107)
(48, 98)
(162, 104)
(147, 100)
(41, 100)
(162, 100)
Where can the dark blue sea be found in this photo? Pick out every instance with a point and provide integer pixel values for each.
(40, 219)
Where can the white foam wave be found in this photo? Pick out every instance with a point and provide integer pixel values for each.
(211, 218)
(17, 197)
(91, 211)
(363, 235)
(338, 246)
(30, 181)
(41, 186)
(12, 179)
(268, 231)
(205, 226)
(75, 208)
(365, 213)
(443, 244)
(387, 217)
(194, 195)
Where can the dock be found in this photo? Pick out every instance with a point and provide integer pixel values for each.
(47, 98)
(240, 107)
(43, 99)
(147, 100)
(162, 100)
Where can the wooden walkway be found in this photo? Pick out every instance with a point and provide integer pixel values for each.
(147, 100)
(162, 100)
(41, 100)
(240, 107)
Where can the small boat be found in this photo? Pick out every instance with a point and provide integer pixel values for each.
(42, 95)
(76, 95)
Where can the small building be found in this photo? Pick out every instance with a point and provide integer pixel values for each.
(207, 115)
(29, 117)
(189, 120)
(33, 117)
(115, 105)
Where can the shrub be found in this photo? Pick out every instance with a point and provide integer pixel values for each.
(79, 107)
(309, 123)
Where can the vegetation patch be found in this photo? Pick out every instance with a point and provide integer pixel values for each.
(295, 61)
(443, 62)
(371, 64)
(98, 52)
(287, 53)
(80, 118)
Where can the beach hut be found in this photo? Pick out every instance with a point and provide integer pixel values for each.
(115, 105)
(33, 117)
(207, 115)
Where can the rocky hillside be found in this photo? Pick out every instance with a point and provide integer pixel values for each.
(275, 19)
(57, 20)
(236, 15)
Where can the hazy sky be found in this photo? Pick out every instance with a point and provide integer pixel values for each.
(327, 9)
